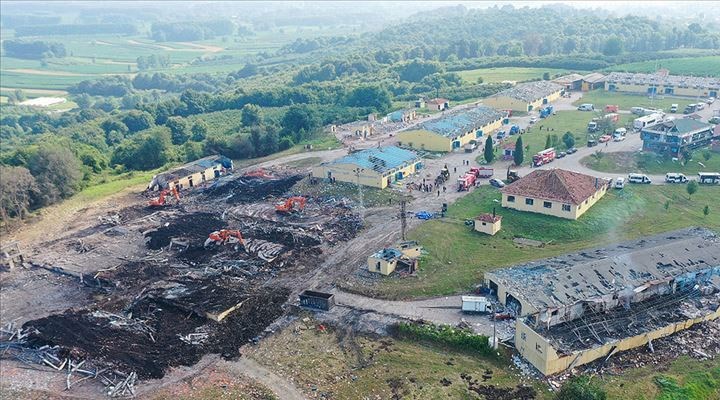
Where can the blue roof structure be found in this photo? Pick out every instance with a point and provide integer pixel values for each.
(460, 122)
(381, 159)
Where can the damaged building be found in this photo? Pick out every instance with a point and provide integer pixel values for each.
(191, 174)
(577, 308)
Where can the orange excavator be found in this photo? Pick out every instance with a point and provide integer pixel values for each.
(225, 236)
(161, 200)
(296, 203)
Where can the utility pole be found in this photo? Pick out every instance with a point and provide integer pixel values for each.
(403, 218)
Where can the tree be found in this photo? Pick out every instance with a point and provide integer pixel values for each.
(146, 151)
(417, 69)
(706, 155)
(580, 388)
(613, 46)
(489, 153)
(519, 155)
(548, 142)
(137, 121)
(299, 121)
(706, 210)
(178, 130)
(370, 96)
(569, 139)
(546, 76)
(16, 192)
(480, 80)
(692, 188)
(199, 131)
(251, 115)
(666, 206)
(57, 172)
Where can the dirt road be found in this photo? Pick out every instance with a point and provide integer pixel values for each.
(279, 385)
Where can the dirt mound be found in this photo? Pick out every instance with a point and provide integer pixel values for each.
(252, 189)
(194, 228)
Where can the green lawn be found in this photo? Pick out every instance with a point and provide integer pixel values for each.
(600, 98)
(687, 379)
(652, 164)
(703, 66)
(458, 256)
(564, 121)
(491, 75)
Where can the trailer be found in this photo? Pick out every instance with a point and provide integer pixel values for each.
(476, 304)
(544, 157)
(317, 300)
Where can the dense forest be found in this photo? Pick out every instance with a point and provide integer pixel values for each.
(33, 50)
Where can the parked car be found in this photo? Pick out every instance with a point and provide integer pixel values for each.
(561, 154)
(592, 143)
(619, 138)
(586, 107)
(572, 150)
(674, 108)
(710, 100)
(638, 178)
(500, 135)
(497, 183)
(619, 183)
(533, 120)
(699, 106)
(620, 132)
(604, 138)
(674, 177)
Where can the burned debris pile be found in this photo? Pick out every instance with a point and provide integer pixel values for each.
(169, 298)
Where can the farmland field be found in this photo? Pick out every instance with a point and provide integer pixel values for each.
(703, 66)
(456, 265)
(490, 75)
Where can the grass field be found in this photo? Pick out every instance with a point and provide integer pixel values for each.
(94, 56)
(564, 121)
(651, 164)
(491, 75)
(699, 66)
(457, 256)
(600, 98)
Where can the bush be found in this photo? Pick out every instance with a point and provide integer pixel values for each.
(460, 339)
(580, 388)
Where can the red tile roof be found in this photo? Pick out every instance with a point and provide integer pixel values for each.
(488, 218)
(555, 184)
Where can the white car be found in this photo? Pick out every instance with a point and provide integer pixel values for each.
(619, 183)
(710, 100)
(533, 120)
(619, 138)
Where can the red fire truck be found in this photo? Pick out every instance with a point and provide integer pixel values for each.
(466, 182)
(544, 157)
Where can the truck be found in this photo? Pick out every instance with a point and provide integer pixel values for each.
(642, 122)
(544, 157)
(690, 108)
(593, 125)
(482, 172)
(514, 130)
(612, 108)
(476, 304)
(466, 181)
(470, 147)
(674, 108)
(546, 112)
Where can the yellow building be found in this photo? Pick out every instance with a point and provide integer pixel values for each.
(192, 174)
(555, 192)
(452, 130)
(378, 167)
(662, 83)
(581, 307)
(488, 223)
(386, 261)
(525, 96)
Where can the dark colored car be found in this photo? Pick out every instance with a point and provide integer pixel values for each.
(561, 154)
(592, 143)
(571, 150)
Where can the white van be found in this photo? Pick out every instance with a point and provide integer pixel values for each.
(638, 178)
(642, 122)
(639, 111)
(674, 177)
(619, 183)
(586, 107)
(674, 108)
(620, 132)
